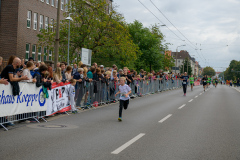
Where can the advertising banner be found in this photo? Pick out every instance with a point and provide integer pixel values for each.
(30, 99)
(58, 98)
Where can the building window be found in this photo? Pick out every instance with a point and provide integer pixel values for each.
(27, 51)
(66, 5)
(35, 21)
(29, 15)
(53, 3)
(62, 5)
(46, 23)
(41, 22)
(33, 51)
(50, 55)
(56, 3)
(47, 1)
(39, 54)
(45, 54)
(52, 24)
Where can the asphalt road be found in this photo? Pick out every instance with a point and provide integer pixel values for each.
(164, 126)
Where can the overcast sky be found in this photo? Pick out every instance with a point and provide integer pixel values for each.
(215, 24)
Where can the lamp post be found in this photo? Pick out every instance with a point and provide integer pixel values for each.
(70, 19)
(176, 57)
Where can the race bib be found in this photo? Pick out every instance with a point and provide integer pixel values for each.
(184, 82)
(204, 81)
(122, 94)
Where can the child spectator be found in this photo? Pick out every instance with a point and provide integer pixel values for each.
(72, 95)
(124, 91)
(26, 72)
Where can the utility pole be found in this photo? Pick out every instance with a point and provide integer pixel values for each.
(56, 44)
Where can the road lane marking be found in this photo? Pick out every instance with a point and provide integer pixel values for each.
(190, 100)
(196, 96)
(120, 149)
(182, 106)
(164, 119)
(200, 94)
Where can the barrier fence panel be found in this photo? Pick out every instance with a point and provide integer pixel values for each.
(31, 102)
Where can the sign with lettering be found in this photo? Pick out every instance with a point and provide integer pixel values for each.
(30, 99)
(58, 98)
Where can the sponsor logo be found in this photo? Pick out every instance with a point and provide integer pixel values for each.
(28, 99)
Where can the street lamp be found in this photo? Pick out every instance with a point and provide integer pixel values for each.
(70, 19)
(176, 57)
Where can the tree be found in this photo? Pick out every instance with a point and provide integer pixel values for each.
(107, 35)
(221, 75)
(149, 42)
(233, 71)
(186, 67)
(209, 71)
(168, 62)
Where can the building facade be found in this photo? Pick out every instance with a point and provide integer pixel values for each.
(21, 22)
(179, 58)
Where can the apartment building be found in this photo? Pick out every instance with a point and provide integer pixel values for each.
(21, 21)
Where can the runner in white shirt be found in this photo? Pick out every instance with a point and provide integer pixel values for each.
(124, 91)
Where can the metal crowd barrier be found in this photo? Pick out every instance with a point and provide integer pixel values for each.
(93, 94)
(21, 117)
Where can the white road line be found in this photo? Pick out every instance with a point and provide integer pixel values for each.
(196, 96)
(190, 100)
(120, 149)
(182, 106)
(200, 94)
(164, 119)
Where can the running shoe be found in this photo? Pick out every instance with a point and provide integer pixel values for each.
(120, 119)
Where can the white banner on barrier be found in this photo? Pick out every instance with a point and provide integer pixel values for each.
(30, 99)
(58, 98)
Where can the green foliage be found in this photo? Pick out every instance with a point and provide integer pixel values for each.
(149, 41)
(186, 67)
(209, 71)
(111, 39)
(168, 62)
(232, 72)
(221, 75)
(105, 34)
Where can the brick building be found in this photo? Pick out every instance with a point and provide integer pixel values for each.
(21, 21)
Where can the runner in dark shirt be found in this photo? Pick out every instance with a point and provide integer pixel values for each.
(204, 81)
(184, 79)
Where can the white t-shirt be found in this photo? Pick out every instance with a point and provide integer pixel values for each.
(72, 91)
(124, 90)
(27, 73)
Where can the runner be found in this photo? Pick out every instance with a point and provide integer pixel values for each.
(204, 81)
(184, 78)
(216, 82)
(191, 82)
(208, 81)
(124, 91)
